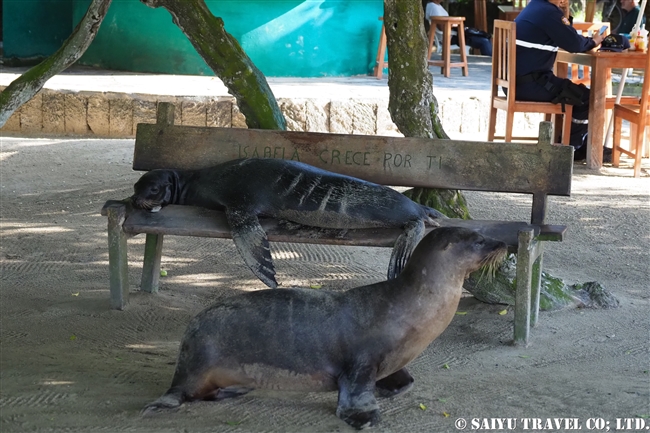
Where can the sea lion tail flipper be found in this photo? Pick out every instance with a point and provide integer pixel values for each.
(253, 244)
(172, 399)
(404, 246)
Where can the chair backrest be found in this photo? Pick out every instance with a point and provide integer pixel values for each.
(504, 50)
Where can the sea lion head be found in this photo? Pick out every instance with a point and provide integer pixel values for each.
(154, 190)
(467, 249)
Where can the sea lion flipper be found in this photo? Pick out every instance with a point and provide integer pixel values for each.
(404, 246)
(357, 405)
(172, 399)
(253, 244)
(394, 384)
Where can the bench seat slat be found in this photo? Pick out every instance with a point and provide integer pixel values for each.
(196, 221)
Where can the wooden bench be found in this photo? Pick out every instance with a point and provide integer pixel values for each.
(540, 169)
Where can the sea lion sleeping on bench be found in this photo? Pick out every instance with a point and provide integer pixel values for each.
(286, 190)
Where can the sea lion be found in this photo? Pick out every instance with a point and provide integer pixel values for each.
(356, 342)
(286, 190)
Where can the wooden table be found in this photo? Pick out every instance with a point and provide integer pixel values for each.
(601, 63)
(509, 13)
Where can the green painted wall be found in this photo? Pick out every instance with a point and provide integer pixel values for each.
(35, 28)
(299, 38)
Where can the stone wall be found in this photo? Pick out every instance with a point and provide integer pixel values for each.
(107, 114)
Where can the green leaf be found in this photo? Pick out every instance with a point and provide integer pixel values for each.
(163, 273)
(423, 407)
(461, 313)
(233, 423)
(445, 366)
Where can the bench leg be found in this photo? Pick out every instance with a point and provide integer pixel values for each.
(523, 289)
(536, 283)
(117, 258)
(151, 265)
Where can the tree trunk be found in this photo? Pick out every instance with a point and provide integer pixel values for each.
(412, 105)
(227, 59)
(23, 88)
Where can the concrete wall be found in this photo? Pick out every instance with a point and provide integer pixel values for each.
(292, 38)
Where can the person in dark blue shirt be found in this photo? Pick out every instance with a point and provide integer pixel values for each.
(631, 13)
(541, 28)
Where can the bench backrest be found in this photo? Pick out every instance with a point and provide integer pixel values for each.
(539, 169)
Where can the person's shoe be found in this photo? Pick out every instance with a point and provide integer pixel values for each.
(607, 155)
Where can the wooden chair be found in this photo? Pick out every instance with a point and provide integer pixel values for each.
(446, 23)
(504, 51)
(638, 116)
(380, 62)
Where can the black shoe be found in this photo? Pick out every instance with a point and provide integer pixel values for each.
(607, 155)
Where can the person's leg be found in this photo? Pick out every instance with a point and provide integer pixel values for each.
(579, 122)
(484, 45)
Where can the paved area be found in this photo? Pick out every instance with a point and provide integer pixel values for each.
(79, 78)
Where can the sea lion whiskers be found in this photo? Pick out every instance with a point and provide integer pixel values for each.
(491, 263)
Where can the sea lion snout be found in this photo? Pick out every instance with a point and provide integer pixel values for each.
(152, 191)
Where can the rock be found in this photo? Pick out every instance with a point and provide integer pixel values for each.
(555, 294)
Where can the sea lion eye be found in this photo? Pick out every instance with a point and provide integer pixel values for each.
(154, 190)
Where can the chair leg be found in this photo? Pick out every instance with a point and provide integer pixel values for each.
(616, 141)
(151, 265)
(492, 124)
(381, 53)
(566, 127)
(523, 290)
(510, 120)
(117, 259)
(638, 147)
(446, 51)
(463, 51)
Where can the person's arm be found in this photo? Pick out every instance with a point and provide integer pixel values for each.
(564, 36)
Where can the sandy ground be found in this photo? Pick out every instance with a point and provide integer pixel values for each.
(70, 364)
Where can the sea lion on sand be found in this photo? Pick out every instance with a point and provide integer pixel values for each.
(286, 190)
(356, 342)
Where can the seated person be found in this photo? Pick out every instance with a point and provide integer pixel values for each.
(541, 28)
(435, 9)
(630, 14)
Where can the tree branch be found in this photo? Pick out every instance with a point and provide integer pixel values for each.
(23, 88)
(227, 59)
